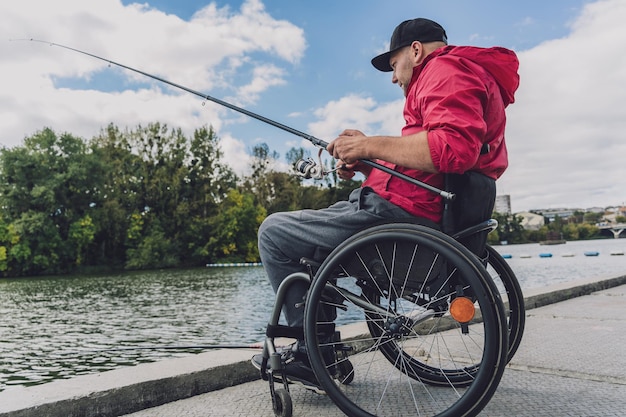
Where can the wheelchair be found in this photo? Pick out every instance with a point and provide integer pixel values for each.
(416, 323)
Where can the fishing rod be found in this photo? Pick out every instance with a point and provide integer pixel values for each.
(254, 346)
(178, 347)
(81, 352)
(305, 167)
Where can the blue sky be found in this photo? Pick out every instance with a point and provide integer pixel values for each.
(307, 64)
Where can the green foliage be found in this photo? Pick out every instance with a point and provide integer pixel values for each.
(81, 234)
(509, 229)
(593, 217)
(143, 198)
(4, 264)
(46, 186)
(576, 227)
(235, 228)
(588, 231)
(153, 250)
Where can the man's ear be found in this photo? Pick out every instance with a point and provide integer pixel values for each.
(417, 51)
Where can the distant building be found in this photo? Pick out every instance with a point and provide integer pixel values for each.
(595, 210)
(531, 221)
(615, 211)
(503, 204)
(551, 214)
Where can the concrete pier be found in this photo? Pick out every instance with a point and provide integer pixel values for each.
(571, 362)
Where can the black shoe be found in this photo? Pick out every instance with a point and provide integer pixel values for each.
(300, 373)
(257, 361)
(297, 368)
(286, 353)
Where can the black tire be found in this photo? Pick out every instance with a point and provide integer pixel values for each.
(283, 406)
(512, 297)
(376, 274)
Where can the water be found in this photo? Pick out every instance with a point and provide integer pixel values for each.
(58, 327)
(533, 271)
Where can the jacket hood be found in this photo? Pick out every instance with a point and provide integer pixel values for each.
(500, 62)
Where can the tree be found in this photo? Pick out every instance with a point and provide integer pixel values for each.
(46, 186)
(509, 229)
(234, 229)
(120, 195)
(593, 218)
(81, 234)
(259, 183)
(588, 231)
(154, 249)
(174, 183)
(209, 181)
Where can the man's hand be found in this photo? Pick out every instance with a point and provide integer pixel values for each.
(409, 151)
(349, 146)
(346, 171)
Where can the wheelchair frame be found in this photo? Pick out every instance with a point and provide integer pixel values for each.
(478, 380)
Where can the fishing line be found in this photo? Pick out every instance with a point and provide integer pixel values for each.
(315, 141)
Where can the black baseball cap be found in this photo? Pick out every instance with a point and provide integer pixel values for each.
(420, 29)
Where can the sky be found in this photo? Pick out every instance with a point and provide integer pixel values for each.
(306, 64)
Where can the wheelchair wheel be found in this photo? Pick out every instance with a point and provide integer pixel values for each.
(423, 321)
(512, 297)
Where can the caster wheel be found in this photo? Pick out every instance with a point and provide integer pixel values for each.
(283, 407)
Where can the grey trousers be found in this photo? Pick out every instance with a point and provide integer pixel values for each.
(284, 238)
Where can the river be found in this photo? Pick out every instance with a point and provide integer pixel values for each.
(58, 327)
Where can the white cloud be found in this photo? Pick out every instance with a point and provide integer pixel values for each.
(240, 161)
(565, 133)
(358, 112)
(264, 76)
(209, 52)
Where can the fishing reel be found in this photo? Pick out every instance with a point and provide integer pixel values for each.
(309, 168)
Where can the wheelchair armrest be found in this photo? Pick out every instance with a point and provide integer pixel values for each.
(486, 226)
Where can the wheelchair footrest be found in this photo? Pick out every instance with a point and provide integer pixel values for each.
(279, 330)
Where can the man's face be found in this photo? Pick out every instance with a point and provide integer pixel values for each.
(403, 61)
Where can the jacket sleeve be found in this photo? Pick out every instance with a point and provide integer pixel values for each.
(452, 98)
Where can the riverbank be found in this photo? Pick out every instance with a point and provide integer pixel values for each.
(132, 389)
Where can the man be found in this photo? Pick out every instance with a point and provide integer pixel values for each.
(455, 118)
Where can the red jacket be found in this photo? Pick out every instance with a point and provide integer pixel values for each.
(458, 94)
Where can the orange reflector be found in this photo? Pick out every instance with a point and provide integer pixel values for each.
(462, 309)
